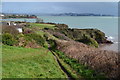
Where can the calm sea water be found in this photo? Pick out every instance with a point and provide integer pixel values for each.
(109, 25)
(19, 19)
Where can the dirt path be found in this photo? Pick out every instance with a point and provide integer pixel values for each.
(62, 67)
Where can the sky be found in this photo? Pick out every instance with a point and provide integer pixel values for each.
(60, 0)
(60, 7)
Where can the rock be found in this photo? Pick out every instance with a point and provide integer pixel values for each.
(108, 42)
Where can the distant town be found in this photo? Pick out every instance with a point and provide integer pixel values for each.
(17, 16)
(11, 15)
(81, 14)
(4, 16)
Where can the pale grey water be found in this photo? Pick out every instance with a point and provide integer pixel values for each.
(19, 19)
(109, 25)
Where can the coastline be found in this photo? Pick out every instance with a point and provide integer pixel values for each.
(61, 37)
(103, 46)
(109, 47)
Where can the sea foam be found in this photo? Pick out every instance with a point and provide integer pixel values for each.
(110, 38)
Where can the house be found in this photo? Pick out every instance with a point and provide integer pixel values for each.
(19, 27)
(11, 23)
(2, 15)
(20, 30)
(6, 23)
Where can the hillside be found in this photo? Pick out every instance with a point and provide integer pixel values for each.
(49, 50)
(101, 61)
(21, 62)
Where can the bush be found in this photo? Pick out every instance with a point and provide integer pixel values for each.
(89, 41)
(52, 44)
(39, 39)
(27, 31)
(8, 39)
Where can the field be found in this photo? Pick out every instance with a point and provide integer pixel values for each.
(21, 62)
(41, 26)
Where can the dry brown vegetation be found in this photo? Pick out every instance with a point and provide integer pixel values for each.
(27, 44)
(9, 29)
(101, 61)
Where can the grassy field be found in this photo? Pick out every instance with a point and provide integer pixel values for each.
(21, 62)
(41, 26)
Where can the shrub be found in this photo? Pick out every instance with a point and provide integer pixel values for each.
(27, 25)
(52, 44)
(39, 39)
(8, 39)
(89, 41)
(27, 31)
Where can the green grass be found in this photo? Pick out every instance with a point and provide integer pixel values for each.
(42, 26)
(21, 62)
(36, 27)
(40, 33)
(80, 69)
(48, 35)
(68, 68)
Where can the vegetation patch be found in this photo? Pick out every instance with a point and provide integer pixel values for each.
(42, 25)
(8, 39)
(39, 39)
(21, 62)
(82, 70)
(89, 41)
(67, 67)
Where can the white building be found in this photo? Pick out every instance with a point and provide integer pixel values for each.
(20, 30)
(2, 15)
(18, 26)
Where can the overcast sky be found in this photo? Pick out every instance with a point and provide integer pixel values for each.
(60, 0)
(60, 7)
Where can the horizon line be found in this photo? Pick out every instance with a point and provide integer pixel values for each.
(61, 1)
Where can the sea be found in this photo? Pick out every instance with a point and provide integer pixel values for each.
(107, 24)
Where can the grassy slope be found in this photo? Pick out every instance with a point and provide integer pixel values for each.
(34, 63)
(38, 30)
(41, 26)
(29, 63)
(71, 71)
